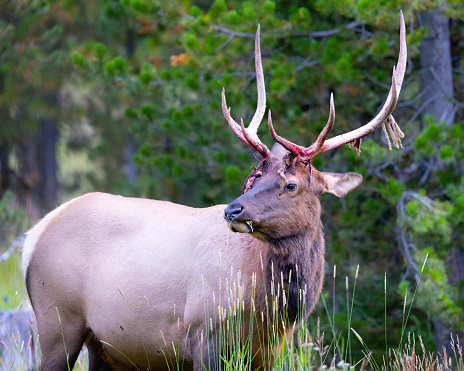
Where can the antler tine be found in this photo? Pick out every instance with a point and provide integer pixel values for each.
(250, 135)
(233, 125)
(289, 146)
(327, 128)
(403, 56)
(261, 104)
(306, 154)
(385, 112)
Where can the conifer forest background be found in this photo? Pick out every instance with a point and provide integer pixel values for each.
(124, 96)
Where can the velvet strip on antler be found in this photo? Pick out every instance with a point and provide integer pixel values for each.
(256, 172)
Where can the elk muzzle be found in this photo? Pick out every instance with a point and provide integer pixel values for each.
(234, 215)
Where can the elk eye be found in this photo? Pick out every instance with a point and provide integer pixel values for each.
(291, 187)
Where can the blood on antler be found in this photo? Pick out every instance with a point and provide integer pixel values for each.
(322, 144)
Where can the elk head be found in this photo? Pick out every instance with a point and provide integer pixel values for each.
(281, 195)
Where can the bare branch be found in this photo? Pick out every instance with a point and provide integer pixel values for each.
(405, 246)
(225, 43)
(307, 63)
(233, 33)
(405, 252)
(316, 34)
(375, 81)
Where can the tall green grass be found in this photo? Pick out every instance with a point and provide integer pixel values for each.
(231, 327)
(13, 219)
(232, 323)
(11, 281)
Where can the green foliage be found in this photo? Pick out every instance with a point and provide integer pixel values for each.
(218, 8)
(269, 7)
(32, 58)
(433, 224)
(300, 17)
(446, 153)
(156, 70)
(78, 59)
(191, 81)
(119, 64)
(428, 220)
(248, 11)
(345, 64)
(99, 50)
(184, 140)
(195, 11)
(145, 77)
(233, 17)
(392, 190)
(13, 221)
(191, 41)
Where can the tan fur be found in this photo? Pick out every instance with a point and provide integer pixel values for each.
(145, 276)
(34, 234)
(93, 250)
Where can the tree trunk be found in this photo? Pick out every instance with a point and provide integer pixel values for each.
(5, 171)
(131, 150)
(38, 182)
(29, 177)
(435, 59)
(48, 137)
(437, 90)
(131, 145)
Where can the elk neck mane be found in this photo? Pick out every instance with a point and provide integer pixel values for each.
(295, 265)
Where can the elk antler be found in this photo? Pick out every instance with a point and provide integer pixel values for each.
(249, 135)
(354, 137)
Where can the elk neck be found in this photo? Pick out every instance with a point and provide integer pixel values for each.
(295, 266)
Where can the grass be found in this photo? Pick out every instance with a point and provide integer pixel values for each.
(23, 352)
(18, 351)
(11, 281)
(12, 220)
(230, 324)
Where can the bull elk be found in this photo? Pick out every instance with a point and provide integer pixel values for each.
(145, 282)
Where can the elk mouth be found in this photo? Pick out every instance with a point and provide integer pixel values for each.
(240, 226)
(237, 218)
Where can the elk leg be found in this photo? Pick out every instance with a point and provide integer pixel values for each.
(204, 357)
(61, 341)
(96, 356)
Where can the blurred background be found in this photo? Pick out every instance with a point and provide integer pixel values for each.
(124, 96)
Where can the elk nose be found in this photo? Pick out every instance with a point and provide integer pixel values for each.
(233, 211)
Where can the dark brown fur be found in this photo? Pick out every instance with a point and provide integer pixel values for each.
(291, 226)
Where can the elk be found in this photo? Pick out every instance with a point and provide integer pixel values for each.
(145, 282)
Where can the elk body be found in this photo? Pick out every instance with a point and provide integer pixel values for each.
(149, 283)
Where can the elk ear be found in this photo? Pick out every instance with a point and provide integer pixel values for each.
(340, 184)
